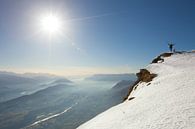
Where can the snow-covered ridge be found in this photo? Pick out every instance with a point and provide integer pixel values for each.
(167, 103)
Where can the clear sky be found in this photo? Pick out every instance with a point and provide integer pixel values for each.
(99, 36)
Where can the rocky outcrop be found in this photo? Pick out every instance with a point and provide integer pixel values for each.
(159, 59)
(143, 76)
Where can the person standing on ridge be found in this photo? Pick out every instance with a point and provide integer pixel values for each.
(171, 46)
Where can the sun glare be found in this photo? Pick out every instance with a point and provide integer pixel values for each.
(51, 24)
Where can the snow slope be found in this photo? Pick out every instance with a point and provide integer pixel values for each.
(167, 103)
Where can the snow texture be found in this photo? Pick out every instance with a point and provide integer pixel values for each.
(167, 103)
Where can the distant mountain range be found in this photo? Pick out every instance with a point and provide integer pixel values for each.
(15, 85)
(112, 77)
(122, 84)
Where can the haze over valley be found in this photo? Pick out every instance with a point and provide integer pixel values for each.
(48, 101)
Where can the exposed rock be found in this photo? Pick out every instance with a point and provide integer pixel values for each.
(166, 54)
(148, 84)
(145, 76)
(131, 98)
(159, 59)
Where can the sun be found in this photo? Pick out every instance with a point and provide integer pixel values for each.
(50, 24)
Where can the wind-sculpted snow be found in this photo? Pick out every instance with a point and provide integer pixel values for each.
(167, 103)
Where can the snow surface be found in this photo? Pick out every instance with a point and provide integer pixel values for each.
(167, 103)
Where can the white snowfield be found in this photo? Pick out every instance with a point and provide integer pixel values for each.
(167, 103)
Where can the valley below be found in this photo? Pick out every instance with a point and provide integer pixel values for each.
(56, 102)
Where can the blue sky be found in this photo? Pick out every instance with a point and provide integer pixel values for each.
(110, 36)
